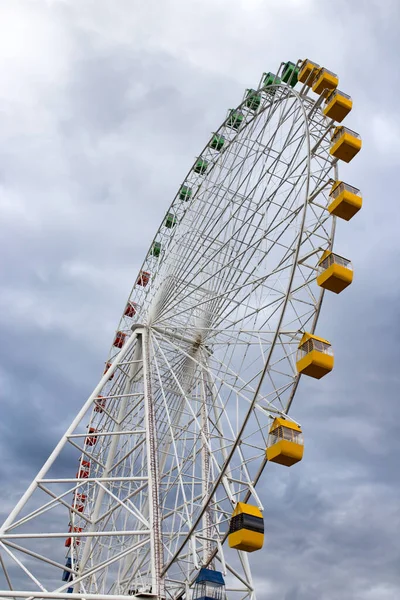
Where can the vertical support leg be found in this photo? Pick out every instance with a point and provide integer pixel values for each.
(156, 555)
(205, 467)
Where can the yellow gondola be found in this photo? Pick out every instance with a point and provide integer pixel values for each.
(246, 529)
(285, 442)
(345, 143)
(337, 105)
(346, 200)
(314, 356)
(324, 80)
(308, 70)
(335, 272)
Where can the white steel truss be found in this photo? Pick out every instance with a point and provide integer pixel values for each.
(178, 424)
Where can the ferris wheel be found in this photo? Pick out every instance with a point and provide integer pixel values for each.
(195, 395)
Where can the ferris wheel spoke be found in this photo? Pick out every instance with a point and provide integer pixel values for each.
(191, 412)
(210, 372)
(278, 224)
(247, 482)
(223, 198)
(218, 436)
(270, 275)
(246, 223)
(222, 380)
(252, 169)
(172, 436)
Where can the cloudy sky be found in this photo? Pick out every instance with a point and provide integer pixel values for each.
(104, 104)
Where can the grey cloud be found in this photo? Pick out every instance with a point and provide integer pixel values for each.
(93, 150)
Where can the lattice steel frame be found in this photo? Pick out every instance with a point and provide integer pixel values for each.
(208, 360)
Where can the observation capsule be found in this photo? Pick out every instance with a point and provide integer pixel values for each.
(201, 166)
(290, 73)
(143, 279)
(209, 585)
(156, 249)
(337, 105)
(91, 440)
(345, 200)
(271, 79)
(130, 309)
(100, 404)
(217, 142)
(324, 80)
(119, 339)
(307, 72)
(285, 442)
(345, 143)
(314, 356)
(67, 576)
(68, 541)
(246, 529)
(84, 470)
(235, 119)
(170, 221)
(253, 100)
(108, 365)
(185, 193)
(335, 272)
(79, 502)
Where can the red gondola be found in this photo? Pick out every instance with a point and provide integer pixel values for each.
(108, 365)
(119, 340)
(91, 440)
(143, 279)
(100, 404)
(68, 541)
(79, 502)
(84, 470)
(130, 310)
